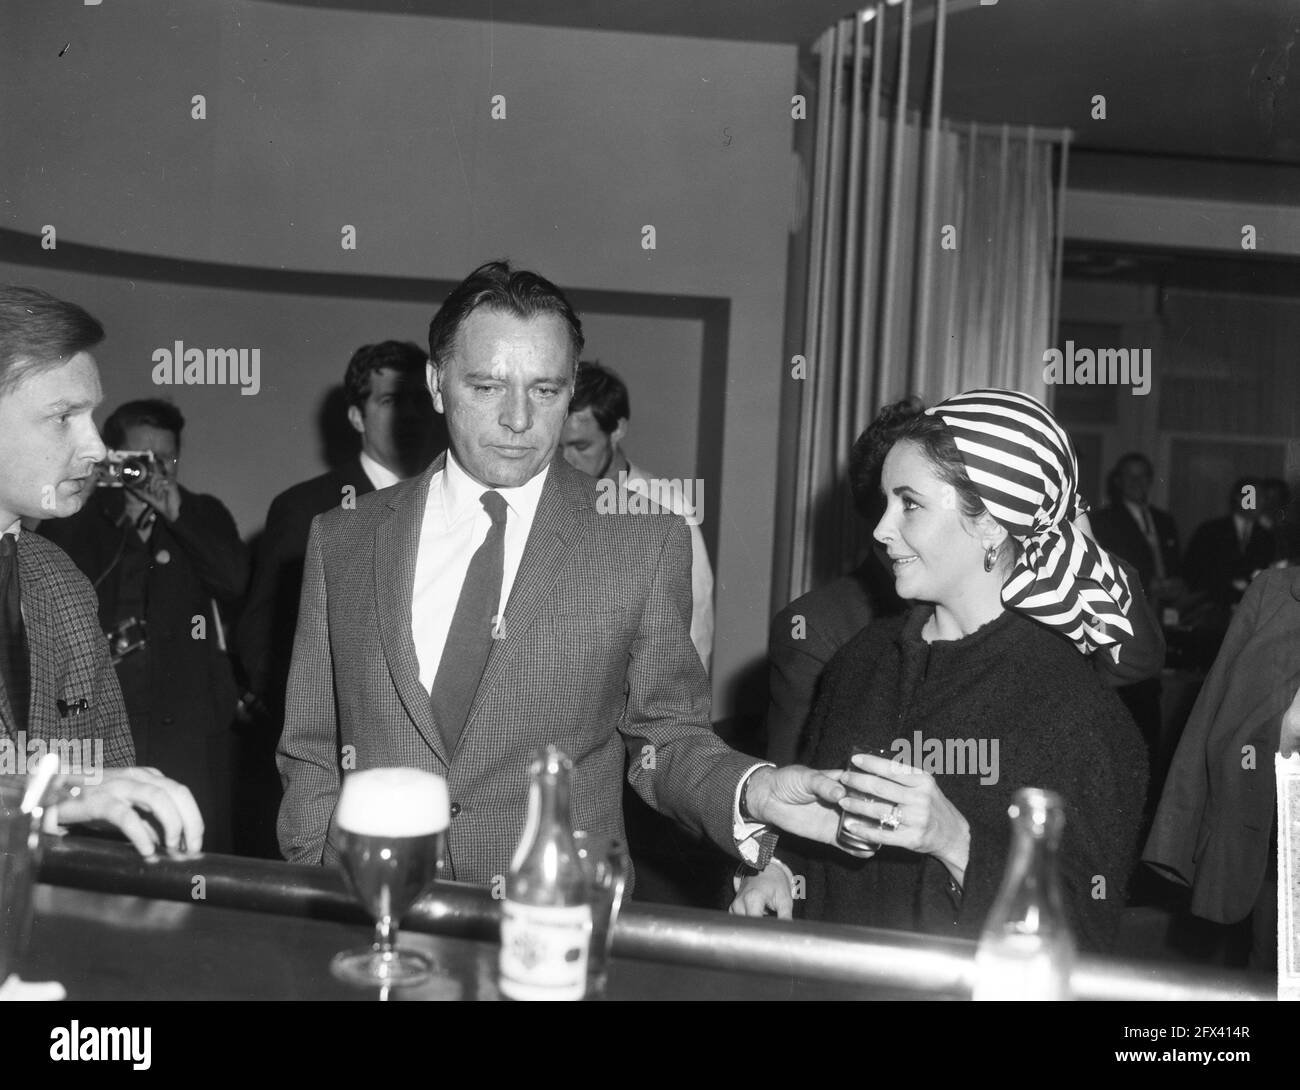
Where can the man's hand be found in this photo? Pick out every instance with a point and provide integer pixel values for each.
(768, 891)
(125, 791)
(162, 493)
(800, 800)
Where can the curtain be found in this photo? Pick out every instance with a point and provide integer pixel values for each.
(928, 263)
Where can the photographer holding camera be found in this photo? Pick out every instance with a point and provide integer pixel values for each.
(167, 565)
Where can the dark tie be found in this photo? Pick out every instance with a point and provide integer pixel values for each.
(14, 661)
(470, 638)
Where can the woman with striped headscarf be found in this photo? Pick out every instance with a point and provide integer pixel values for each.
(982, 688)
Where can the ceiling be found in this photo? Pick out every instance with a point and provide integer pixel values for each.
(1201, 78)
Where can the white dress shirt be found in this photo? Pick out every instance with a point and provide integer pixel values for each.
(670, 494)
(1141, 513)
(380, 476)
(455, 524)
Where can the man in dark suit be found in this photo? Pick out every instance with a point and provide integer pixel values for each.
(457, 621)
(1135, 531)
(388, 407)
(1225, 553)
(57, 685)
(168, 566)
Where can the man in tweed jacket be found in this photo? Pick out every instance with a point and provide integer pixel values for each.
(592, 649)
(49, 386)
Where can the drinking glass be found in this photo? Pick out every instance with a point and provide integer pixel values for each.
(389, 828)
(853, 840)
(20, 841)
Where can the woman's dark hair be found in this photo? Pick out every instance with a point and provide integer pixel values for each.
(907, 419)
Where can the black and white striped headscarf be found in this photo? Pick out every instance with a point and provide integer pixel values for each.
(1023, 466)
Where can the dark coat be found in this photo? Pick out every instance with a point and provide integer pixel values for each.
(1057, 727)
(1118, 532)
(798, 650)
(803, 639)
(1215, 558)
(180, 690)
(1211, 831)
(265, 638)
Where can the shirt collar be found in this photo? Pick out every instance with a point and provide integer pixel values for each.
(461, 493)
(380, 476)
(15, 528)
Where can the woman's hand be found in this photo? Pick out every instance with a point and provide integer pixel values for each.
(768, 891)
(927, 823)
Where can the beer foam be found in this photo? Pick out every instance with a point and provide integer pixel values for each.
(393, 802)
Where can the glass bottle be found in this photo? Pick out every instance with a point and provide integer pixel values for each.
(1026, 950)
(546, 925)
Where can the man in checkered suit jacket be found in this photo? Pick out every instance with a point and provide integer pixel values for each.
(57, 686)
(593, 648)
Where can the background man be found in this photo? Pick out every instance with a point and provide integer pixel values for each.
(1225, 553)
(405, 655)
(592, 441)
(56, 679)
(388, 407)
(160, 556)
(1131, 528)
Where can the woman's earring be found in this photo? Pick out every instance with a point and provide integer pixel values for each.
(990, 557)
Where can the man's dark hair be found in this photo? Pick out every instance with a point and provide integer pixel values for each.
(405, 357)
(1113, 492)
(496, 286)
(148, 413)
(597, 388)
(39, 332)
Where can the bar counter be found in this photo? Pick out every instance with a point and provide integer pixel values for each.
(111, 925)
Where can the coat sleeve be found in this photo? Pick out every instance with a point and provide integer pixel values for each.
(1175, 832)
(207, 532)
(112, 721)
(1141, 657)
(677, 764)
(308, 753)
(267, 623)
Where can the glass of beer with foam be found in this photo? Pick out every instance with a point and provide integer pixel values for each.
(389, 827)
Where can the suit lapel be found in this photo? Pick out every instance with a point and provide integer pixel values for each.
(561, 521)
(397, 544)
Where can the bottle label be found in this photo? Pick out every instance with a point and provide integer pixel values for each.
(544, 951)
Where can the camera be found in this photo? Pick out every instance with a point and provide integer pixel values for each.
(123, 468)
(125, 638)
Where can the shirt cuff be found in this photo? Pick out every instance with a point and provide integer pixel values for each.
(750, 835)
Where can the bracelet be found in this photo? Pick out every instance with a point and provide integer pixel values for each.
(745, 813)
